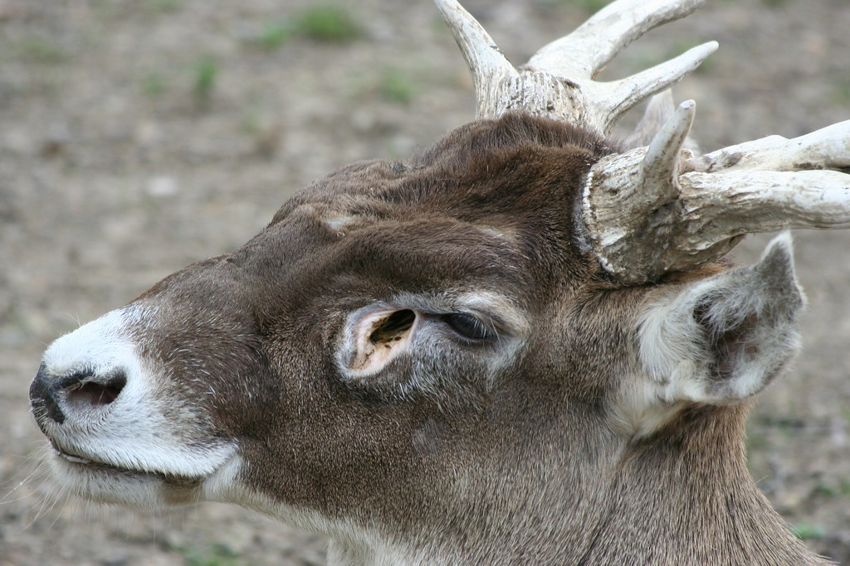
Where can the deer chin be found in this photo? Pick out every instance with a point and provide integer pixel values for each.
(101, 478)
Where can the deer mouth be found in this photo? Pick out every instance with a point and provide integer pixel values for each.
(94, 466)
(73, 458)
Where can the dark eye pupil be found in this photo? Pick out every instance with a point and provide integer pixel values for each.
(467, 326)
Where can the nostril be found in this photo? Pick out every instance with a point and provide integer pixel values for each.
(105, 390)
(53, 396)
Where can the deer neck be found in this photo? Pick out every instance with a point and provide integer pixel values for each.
(687, 492)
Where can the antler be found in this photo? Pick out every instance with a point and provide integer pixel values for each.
(659, 208)
(558, 81)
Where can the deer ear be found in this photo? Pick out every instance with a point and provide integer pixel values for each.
(725, 338)
(373, 338)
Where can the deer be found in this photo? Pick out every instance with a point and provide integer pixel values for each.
(523, 345)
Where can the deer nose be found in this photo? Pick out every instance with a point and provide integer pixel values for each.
(83, 390)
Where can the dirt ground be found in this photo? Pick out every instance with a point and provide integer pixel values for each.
(137, 136)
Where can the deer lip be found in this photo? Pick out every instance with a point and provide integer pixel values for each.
(72, 457)
(97, 465)
(90, 463)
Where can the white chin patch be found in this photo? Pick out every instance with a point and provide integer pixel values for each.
(105, 485)
(148, 437)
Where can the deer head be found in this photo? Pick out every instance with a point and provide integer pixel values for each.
(522, 345)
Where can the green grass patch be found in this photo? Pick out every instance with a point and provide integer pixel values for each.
(216, 555)
(807, 531)
(327, 22)
(153, 85)
(397, 86)
(324, 22)
(756, 441)
(274, 35)
(164, 6)
(592, 6)
(841, 95)
(206, 75)
(251, 121)
(40, 50)
(825, 491)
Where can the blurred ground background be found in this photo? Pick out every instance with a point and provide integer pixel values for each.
(137, 136)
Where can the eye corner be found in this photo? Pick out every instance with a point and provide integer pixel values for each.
(470, 327)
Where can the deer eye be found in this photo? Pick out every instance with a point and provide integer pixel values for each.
(468, 327)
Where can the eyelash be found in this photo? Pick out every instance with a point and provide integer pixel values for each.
(468, 327)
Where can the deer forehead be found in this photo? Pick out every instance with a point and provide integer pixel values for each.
(426, 228)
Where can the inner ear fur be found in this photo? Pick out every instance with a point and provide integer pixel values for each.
(725, 338)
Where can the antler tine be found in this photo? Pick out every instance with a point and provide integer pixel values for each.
(770, 184)
(558, 81)
(760, 186)
(763, 201)
(659, 170)
(596, 42)
(486, 62)
(827, 148)
(618, 97)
